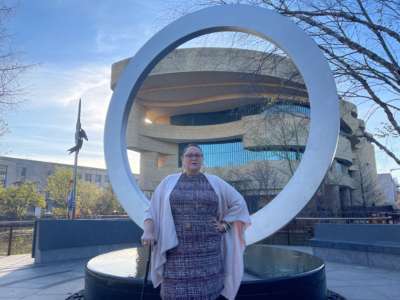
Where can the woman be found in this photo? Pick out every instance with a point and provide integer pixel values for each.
(196, 225)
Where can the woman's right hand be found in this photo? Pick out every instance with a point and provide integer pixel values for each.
(148, 233)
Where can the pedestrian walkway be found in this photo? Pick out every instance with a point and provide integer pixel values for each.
(21, 279)
(358, 282)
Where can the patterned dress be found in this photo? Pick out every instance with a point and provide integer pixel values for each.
(194, 269)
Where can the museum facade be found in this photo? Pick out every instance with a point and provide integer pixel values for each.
(249, 112)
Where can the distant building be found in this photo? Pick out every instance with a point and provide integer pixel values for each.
(398, 199)
(17, 170)
(390, 189)
(249, 112)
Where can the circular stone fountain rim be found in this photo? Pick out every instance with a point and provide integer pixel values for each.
(305, 54)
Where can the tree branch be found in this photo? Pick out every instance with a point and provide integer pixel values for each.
(370, 138)
(369, 90)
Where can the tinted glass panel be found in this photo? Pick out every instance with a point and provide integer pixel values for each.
(220, 117)
(232, 153)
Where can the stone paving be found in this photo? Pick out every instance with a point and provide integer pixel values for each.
(21, 279)
(358, 282)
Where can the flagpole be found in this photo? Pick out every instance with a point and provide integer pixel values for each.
(80, 134)
(77, 137)
(74, 186)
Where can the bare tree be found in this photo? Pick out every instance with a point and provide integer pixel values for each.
(361, 40)
(369, 191)
(283, 130)
(259, 184)
(10, 68)
(290, 136)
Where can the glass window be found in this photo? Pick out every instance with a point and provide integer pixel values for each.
(222, 154)
(345, 169)
(341, 168)
(235, 114)
(23, 172)
(98, 178)
(88, 177)
(337, 167)
(3, 175)
(290, 108)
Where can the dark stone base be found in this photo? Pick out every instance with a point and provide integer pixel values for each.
(81, 296)
(270, 273)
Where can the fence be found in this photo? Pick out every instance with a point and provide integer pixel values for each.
(300, 230)
(16, 236)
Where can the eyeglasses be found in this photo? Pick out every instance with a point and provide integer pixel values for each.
(193, 155)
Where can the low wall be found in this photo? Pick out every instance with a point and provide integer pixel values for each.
(57, 240)
(373, 245)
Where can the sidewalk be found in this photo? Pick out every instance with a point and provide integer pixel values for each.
(21, 279)
(358, 282)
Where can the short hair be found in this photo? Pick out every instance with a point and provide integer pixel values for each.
(191, 145)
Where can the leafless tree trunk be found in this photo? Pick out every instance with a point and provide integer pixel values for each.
(290, 135)
(260, 180)
(370, 193)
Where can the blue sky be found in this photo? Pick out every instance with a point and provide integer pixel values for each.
(72, 45)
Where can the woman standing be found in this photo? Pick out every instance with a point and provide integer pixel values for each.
(196, 224)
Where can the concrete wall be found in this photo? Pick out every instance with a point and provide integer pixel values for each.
(218, 59)
(58, 240)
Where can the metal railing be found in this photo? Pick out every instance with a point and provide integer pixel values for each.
(17, 236)
(300, 230)
(20, 232)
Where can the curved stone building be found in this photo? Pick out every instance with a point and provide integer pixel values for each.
(249, 112)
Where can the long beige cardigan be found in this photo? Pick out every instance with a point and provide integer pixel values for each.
(232, 208)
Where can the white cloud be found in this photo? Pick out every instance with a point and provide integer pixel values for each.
(123, 40)
(61, 89)
(55, 85)
(94, 107)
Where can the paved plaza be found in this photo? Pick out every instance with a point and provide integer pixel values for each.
(21, 279)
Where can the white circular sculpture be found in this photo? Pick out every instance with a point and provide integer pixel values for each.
(266, 24)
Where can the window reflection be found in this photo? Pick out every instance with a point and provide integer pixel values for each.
(231, 115)
(232, 153)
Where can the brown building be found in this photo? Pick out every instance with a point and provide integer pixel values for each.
(249, 112)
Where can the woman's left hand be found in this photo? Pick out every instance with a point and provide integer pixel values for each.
(220, 226)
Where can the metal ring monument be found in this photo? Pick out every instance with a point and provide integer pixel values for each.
(266, 24)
